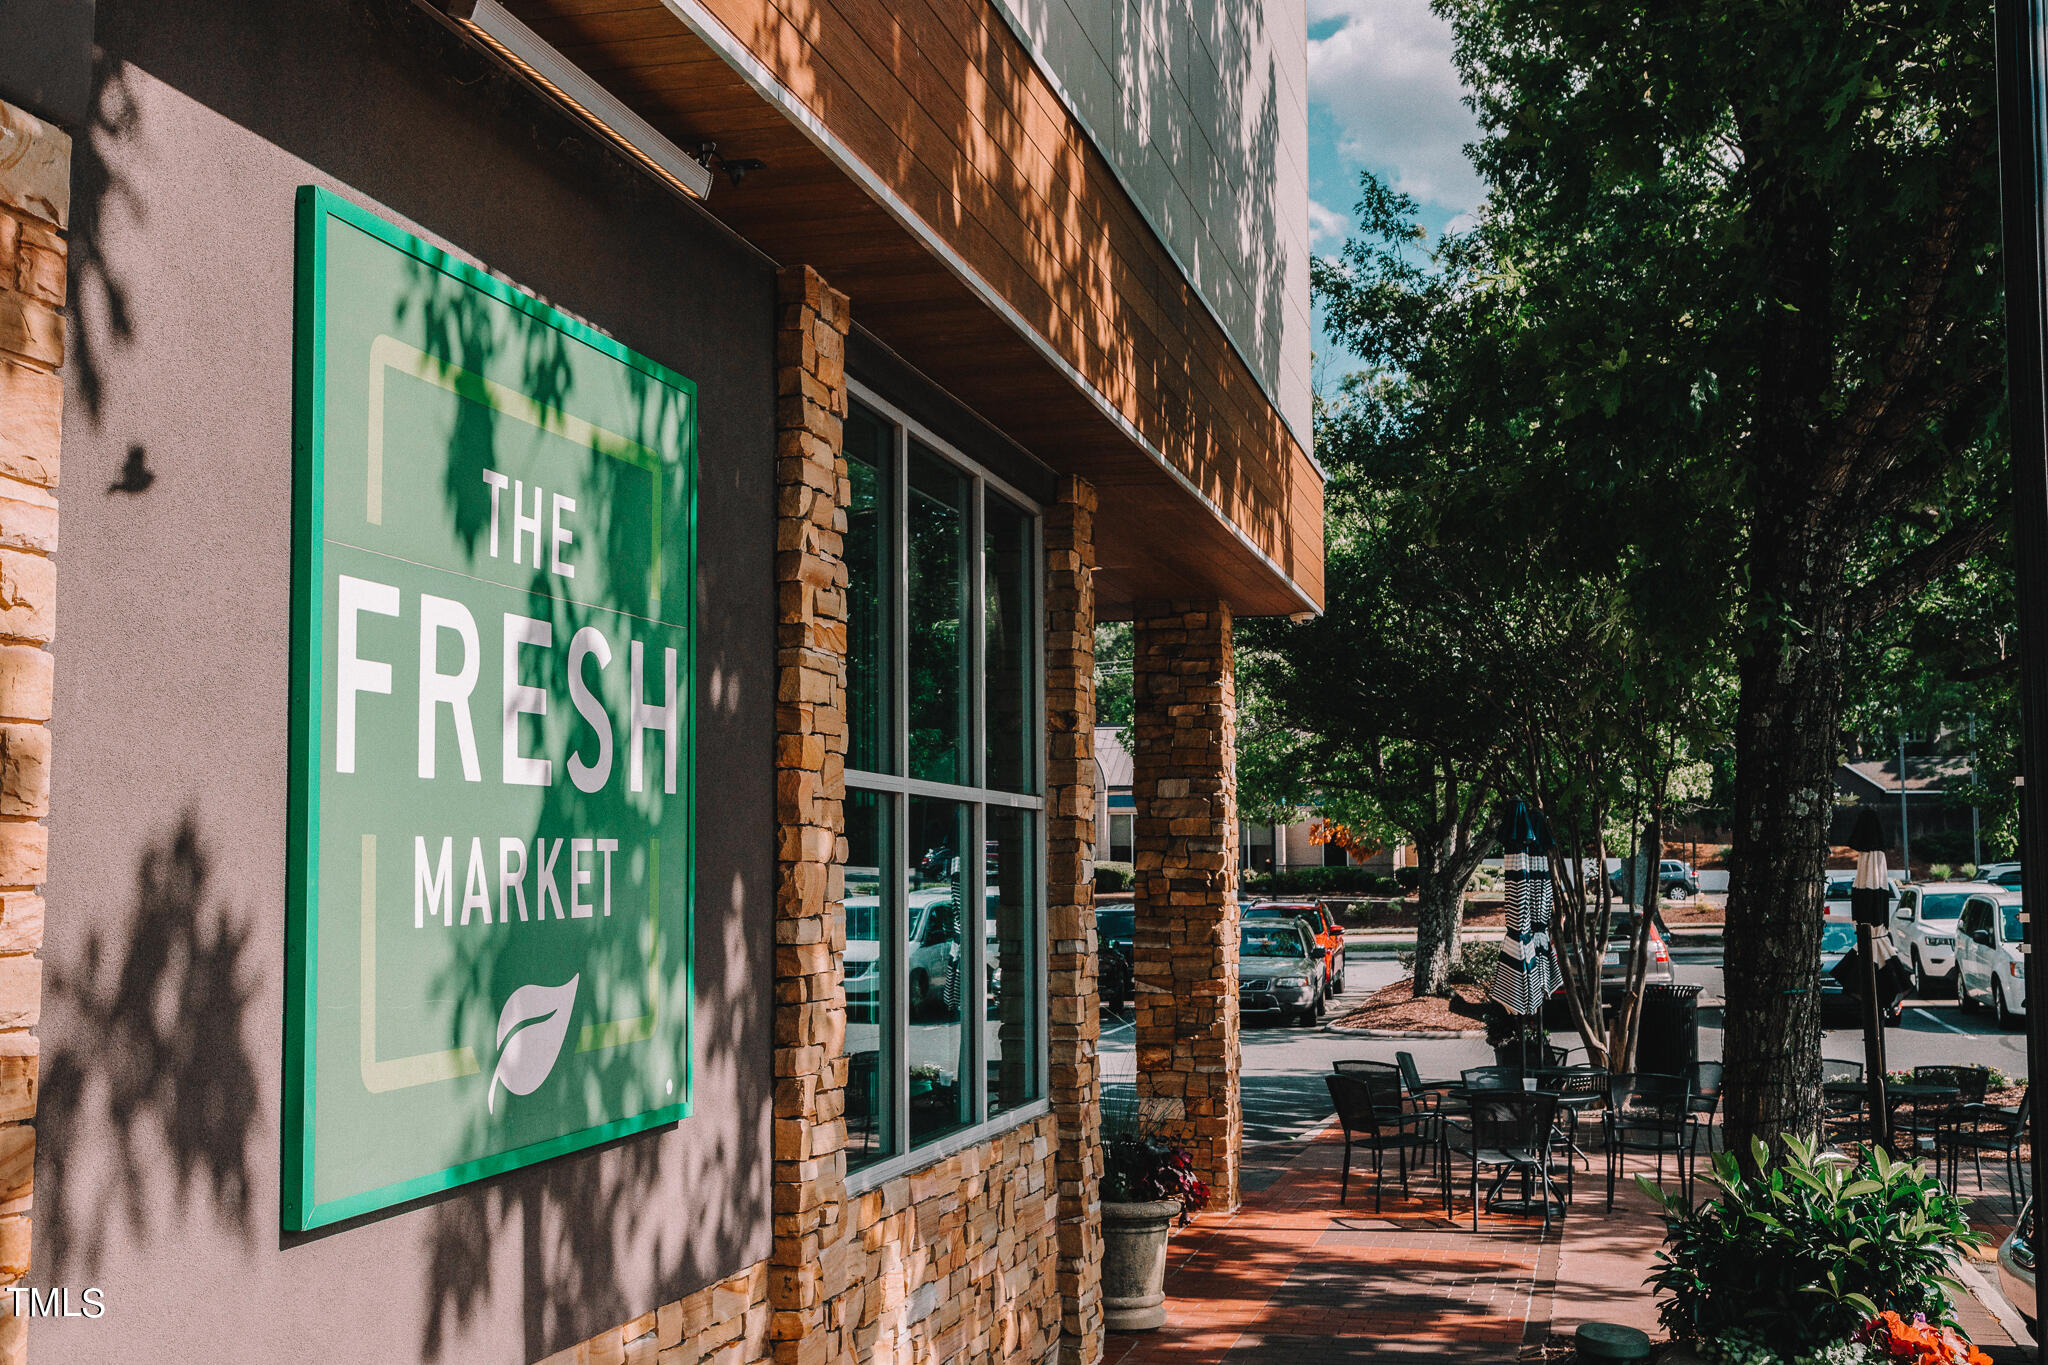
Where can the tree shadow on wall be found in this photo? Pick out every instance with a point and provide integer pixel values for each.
(153, 1062)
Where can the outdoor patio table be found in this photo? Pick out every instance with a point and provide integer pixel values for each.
(1900, 1094)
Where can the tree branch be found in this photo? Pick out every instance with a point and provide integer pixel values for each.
(1916, 569)
(1982, 383)
(1870, 405)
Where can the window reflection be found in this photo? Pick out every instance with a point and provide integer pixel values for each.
(937, 691)
(1009, 626)
(869, 530)
(940, 1046)
(1013, 990)
(872, 959)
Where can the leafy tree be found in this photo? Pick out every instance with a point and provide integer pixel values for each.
(1750, 252)
(1380, 724)
(1113, 654)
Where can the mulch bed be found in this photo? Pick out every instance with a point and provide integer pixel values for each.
(1394, 1006)
(1484, 915)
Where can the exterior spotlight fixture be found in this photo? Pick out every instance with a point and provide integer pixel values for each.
(526, 52)
(736, 169)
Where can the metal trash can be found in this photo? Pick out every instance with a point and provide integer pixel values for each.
(1670, 1038)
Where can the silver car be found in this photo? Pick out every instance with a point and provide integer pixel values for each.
(1279, 971)
(2016, 1268)
(1657, 970)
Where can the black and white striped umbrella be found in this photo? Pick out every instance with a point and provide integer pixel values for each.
(1525, 974)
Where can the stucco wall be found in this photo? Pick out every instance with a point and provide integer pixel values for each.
(163, 1010)
(1201, 106)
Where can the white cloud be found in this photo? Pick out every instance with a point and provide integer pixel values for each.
(1326, 226)
(1386, 79)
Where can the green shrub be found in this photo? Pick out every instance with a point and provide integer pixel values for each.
(1114, 876)
(1995, 1080)
(1944, 845)
(1408, 878)
(1474, 966)
(1941, 872)
(1800, 1253)
(1300, 881)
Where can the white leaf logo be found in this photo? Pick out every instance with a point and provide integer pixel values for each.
(526, 1061)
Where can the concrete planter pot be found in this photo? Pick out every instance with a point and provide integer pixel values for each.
(1134, 1263)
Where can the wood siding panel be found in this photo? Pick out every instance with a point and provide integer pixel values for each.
(939, 100)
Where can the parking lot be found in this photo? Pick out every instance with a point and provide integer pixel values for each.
(1283, 1071)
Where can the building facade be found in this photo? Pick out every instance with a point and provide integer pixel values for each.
(529, 460)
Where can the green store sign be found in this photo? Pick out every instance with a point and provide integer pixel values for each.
(489, 939)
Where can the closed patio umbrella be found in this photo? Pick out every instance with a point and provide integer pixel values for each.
(1525, 973)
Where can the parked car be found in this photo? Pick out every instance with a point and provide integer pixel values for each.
(1279, 970)
(1989, 967)
(1115, 928)
(1674, 879)
(1327, 931)
(2016, 1268)
(1834, 903)
(1924, 931)
(1614, 964)
(1998, 872)
(1838, 1008)
(863, 956)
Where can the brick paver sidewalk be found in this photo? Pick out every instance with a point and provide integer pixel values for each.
(1295, 1278)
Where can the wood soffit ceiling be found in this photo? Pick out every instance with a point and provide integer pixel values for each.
(939, 101)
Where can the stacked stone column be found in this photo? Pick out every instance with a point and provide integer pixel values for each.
(35, 197)
(1185, 785)
(1070, 910)
(809, 1264)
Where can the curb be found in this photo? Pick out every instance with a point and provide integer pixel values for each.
(1987, 1293)
(1396, 1034)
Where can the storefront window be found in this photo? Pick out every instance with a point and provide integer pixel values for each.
(869, 517)
(1010, 654)
(945, 1008)
(937, 526)
(873, 959)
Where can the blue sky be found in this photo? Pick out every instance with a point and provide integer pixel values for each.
(1382, 96)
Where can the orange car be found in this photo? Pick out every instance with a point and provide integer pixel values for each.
(1329, 934)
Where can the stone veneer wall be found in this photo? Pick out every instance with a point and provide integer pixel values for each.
(1185, 784)
(809, 1268)
(962, 1260)
(1076, 1022)
(35, 197)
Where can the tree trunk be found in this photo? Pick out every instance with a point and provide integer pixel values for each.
(1440, 912)
(1788, 715)
(1787, 735)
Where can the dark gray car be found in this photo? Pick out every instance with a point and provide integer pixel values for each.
(1279, 971)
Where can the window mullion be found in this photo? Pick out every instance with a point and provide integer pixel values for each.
(975, 689)
(897, 1044)
(974, 926)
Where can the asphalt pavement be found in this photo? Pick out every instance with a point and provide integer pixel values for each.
(1282, 1077)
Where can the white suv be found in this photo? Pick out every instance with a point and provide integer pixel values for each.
(1924, 930)
(1989, 967)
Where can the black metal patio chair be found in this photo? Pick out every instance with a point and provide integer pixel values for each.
(1844, 1107)
(1510, 1132)
(1369, 1125)
(1422, 1094)
(1933, 1118)
(1706, 1101)
(1477, 1078)
(1579, 1090)
(1648, 1113)
(1980, 1128)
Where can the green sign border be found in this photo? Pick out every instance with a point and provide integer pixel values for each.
(299, 1210)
